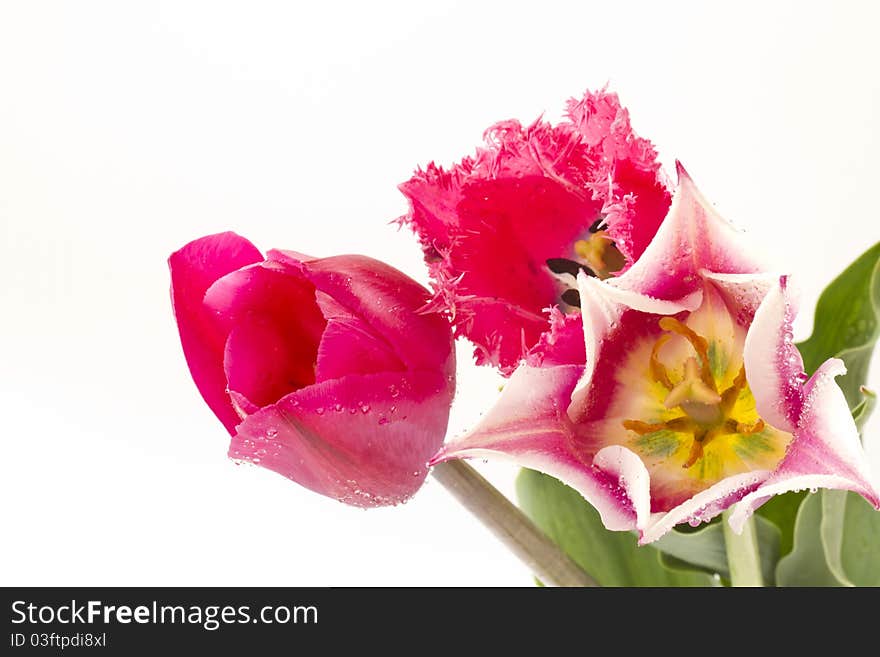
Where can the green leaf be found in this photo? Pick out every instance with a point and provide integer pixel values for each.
(847, 323)
(865, 408)
(850, 528)
(612, 558)
(705, 549)
(836, 543)
(806, 564)
(782, 510)
(831, 529)
(850, 532)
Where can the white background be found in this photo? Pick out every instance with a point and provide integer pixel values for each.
(130, 128)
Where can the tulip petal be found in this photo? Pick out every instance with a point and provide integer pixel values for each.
(627, 177)
(692, 237)
(364, 440)
(501, 332)
(490, 235)
(743, 293)
(194, 268)
(385, 299)
(561, 344)
(705, 505)
(826, 451)
(632, 477)
(528, 425)
(274, 326)
(349, 345)
(773, 363)
(636, 202)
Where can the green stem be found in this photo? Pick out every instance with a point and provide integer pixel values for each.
(512, 527)
(743, 557)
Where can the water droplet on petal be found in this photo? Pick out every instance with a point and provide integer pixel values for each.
(365, 408)
(271, 434)
(383, 420)
(319, 410)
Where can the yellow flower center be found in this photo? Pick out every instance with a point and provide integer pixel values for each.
(707, 414)
(683, 404)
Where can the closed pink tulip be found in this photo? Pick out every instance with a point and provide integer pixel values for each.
(321, 369)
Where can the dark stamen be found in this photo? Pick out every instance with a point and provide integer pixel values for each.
(572, 298)
(563, 266)
(566, 266)
(597, 225)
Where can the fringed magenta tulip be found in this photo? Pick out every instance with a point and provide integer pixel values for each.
(503, 230)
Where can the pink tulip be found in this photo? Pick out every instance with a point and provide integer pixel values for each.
(321, 369)
(499, 228)
(687, 395)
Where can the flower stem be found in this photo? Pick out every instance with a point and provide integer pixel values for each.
(533, 547)
(743, 556)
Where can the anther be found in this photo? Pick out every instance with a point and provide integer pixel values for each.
(658, 369)
(749, 429)
(642, 428)
(572, 297)
(566, 266)
(729, 396)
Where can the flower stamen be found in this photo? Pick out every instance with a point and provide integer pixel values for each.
(706, 413)
(658, 369)
(729, 396)
(750, 429)
(696, 453)
(600, 254)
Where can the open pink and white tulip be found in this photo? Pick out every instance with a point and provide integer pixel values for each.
(501, 230)
(321, 369)
(687, 395)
